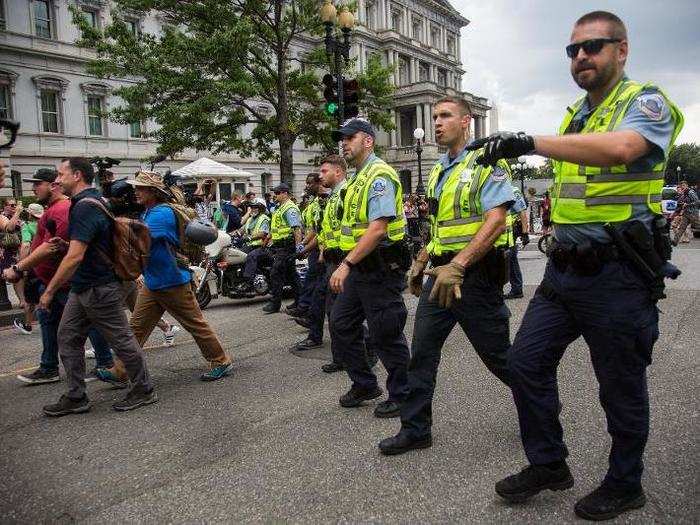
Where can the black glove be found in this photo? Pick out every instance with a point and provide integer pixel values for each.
(503, 145)
(525, 239)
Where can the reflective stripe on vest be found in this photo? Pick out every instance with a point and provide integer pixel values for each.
(279, 228)
(584, 194)
(355, 223)
(330, 224)
(254, 226)
(459, 214)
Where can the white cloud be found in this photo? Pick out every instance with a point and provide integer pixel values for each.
(513, 53)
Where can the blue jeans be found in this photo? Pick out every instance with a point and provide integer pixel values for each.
(516, 276)
(49, 320)
(313, 275)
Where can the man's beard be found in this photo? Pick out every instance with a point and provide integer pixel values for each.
(600, 79)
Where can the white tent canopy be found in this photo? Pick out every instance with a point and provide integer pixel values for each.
(205, 167)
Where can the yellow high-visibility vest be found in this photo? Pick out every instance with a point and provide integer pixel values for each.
(459, 214)
(279, 227)
(585, 194)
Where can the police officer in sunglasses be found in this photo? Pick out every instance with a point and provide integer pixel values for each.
(609, 159)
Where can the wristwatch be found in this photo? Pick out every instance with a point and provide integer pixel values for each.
(16, 270)
(347, 263)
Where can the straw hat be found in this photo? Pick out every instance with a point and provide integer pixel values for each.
(149, 179)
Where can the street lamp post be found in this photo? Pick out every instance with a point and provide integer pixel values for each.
(678, 175)
(337, 50)
(519, 169)
(418, 134)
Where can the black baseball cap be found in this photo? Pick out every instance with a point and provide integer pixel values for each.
(282, 187)
(352, 126)
(43, 175)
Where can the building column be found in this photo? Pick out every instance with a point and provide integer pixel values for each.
(419, 116)
(361, 12)
(428, 121)
(392, 135)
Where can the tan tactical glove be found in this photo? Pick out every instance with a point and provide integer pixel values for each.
(448, 279)
(415, 277)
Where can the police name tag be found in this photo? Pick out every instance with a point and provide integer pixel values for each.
(466, 175)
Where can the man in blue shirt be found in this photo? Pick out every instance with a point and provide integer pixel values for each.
(95, 298)
(165, 285)
(519, 227)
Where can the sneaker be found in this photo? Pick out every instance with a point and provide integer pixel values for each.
(605, 503)
(89, 353)
(91, 376)
(40, 376)
(217, 372)
(355, 396)
(169, 336)
(66, 406)
(534, 479)
(110, 375)
(22, 327)
(134, 399)
(271, 308)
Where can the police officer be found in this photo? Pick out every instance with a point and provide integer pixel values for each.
(285, 231)
(370, 277)
(468, 207)
(255, 232)
(309, 216)
(609, 161)
(517, 225)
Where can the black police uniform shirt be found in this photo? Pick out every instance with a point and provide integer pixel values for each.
(89, 224)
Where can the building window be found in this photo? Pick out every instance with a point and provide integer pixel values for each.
(451, 48)
(92, 18)
(396, 20)
(404, 71)
(370, 15)
(137, 130)
(133, 27)
(5, 106)
(423, 72)
(95, 106)
(3, 24)
(49, 111)
(442, 77)
(435, 37)
(42, 18)
(417, 29)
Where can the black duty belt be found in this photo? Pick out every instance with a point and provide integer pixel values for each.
(584, 259)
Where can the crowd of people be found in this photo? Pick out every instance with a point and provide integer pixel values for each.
(354, 229)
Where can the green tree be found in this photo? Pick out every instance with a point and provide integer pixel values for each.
(687, 157)
(218, 67)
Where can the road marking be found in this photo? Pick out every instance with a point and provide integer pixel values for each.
(145, 348)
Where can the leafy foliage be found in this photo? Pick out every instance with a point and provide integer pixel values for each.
(687, 156)
(224, 76)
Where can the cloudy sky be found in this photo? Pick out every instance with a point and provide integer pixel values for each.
(513, 52)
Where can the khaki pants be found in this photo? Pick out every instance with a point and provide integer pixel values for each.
(181, 303)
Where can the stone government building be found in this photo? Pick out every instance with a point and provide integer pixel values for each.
(43, 84)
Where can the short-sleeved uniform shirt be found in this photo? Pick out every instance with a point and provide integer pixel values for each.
(648, 115)
(292, 217)
(496, 191)
(162, 270)
(89, 224)
(520, 203)
(53, 223)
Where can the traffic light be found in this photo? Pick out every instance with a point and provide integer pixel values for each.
(331, 107)
(351, 97)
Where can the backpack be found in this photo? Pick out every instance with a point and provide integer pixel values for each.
(132, 244)
(189, 252)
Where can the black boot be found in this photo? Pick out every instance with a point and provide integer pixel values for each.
(355, 396)
(534, 479)
(271, 308)
(331, 368)
(401, 443)
(605, 503)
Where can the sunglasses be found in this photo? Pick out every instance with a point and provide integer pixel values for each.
(591, 47)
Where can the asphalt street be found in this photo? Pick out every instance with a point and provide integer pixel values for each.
(271, 443)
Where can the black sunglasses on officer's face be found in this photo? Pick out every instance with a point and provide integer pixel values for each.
(591, 47)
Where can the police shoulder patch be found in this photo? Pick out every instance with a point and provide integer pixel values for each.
(652, 105)
(379, 186)
(498, 174)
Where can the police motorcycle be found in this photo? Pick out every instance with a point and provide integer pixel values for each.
(221, 272)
